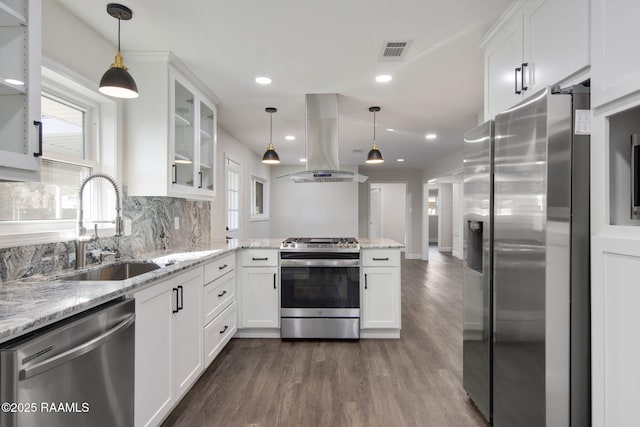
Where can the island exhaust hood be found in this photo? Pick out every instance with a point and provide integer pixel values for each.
(322, 143)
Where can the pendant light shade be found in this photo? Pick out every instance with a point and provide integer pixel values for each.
(270, 156)
(374, 156)
(117, 81)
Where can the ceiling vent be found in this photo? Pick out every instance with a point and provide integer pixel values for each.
(394, 50)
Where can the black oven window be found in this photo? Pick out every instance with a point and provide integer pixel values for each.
(320, 287)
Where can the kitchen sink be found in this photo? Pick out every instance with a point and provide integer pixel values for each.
(119, 271)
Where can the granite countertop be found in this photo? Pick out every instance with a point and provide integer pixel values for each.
(29, 304)
(381, 243)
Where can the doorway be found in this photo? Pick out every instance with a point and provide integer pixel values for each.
(388, 211)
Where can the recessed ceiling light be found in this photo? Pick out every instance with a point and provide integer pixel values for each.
(400, 160)
(431, 136)
(303, 160)
(290, 138)
(390, 130)
(14, 82)
(263, 80)
(383, 78)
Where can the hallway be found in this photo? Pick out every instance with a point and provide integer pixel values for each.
(413, 381)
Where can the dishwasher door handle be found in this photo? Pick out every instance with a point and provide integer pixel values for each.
(76, 351)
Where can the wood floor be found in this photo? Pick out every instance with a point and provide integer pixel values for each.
(414, 381)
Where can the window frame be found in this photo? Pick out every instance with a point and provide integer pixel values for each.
(231, 165)
(264, 216)
(101, 124)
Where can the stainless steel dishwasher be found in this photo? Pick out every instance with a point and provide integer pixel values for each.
(78, 372)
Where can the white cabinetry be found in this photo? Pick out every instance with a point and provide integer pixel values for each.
(536, 43)
(168, 345)
(220, 313)
(20, 123)
(260, 285)
(380, 289)
(170, 131)
(616, 65)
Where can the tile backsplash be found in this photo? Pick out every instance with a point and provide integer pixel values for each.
(152, 229)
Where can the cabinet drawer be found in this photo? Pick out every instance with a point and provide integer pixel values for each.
(217, 295)
(259, 258)
(218, 267)
(380, 258)
(218, 333)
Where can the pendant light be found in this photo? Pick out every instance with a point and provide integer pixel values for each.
(270, 156)
(374, 156)
(117, 81)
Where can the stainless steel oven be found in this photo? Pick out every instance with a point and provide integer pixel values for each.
(320, 290)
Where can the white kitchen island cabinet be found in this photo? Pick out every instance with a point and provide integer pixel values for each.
(171, 131)
(380, 293)
(169, 349)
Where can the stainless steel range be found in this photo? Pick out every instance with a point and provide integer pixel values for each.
(320, 288)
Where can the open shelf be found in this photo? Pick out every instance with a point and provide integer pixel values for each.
(182, 157)
(205, 133)
(205, 166)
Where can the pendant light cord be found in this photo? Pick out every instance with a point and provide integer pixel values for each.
(118, 33)
(374, 126)
(270, 128)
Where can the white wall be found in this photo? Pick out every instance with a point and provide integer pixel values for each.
(457, 220)
(414, 203)
(445, 223)
(250, 163)
(312, 209)
(394, 210)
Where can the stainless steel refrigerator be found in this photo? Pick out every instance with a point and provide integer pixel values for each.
(526, 348)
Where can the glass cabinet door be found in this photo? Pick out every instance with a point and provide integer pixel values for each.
(184, 148)
(207, 147)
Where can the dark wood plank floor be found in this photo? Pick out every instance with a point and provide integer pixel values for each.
(414, 381)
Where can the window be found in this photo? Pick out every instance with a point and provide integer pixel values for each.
(432, 205)
(46, 211)
(259, 199)
(233, 197)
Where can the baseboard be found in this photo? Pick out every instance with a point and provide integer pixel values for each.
(380, 333)
(413, 256)
(446, 249)
(456, 254)
(257, 333)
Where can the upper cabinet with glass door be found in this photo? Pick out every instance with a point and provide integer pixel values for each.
(20, 58)
(170, 136)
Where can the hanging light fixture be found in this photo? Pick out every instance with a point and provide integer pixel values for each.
(270, 156)
(117, 81)
(374, 156)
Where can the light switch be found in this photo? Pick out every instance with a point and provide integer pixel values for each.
(176, 223)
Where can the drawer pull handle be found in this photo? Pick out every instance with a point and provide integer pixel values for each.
(222, 267)
(365, 282)
(274, 281)
(221, 294)
(381, 259)
(177, 309)
(524, 65)
(225, 329)
(517, 70)
(259, 259)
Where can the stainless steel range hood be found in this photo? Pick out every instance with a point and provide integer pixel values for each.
(322, 143)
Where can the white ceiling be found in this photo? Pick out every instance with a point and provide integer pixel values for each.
(329, 46)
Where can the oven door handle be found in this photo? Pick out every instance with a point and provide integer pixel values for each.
(319, 263)
(76, 351)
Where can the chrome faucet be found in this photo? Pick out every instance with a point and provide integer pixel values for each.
(82, 238)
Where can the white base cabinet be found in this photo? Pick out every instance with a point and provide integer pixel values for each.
(380, 289)
(169, 345)
(220, 314)
(260, 289)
